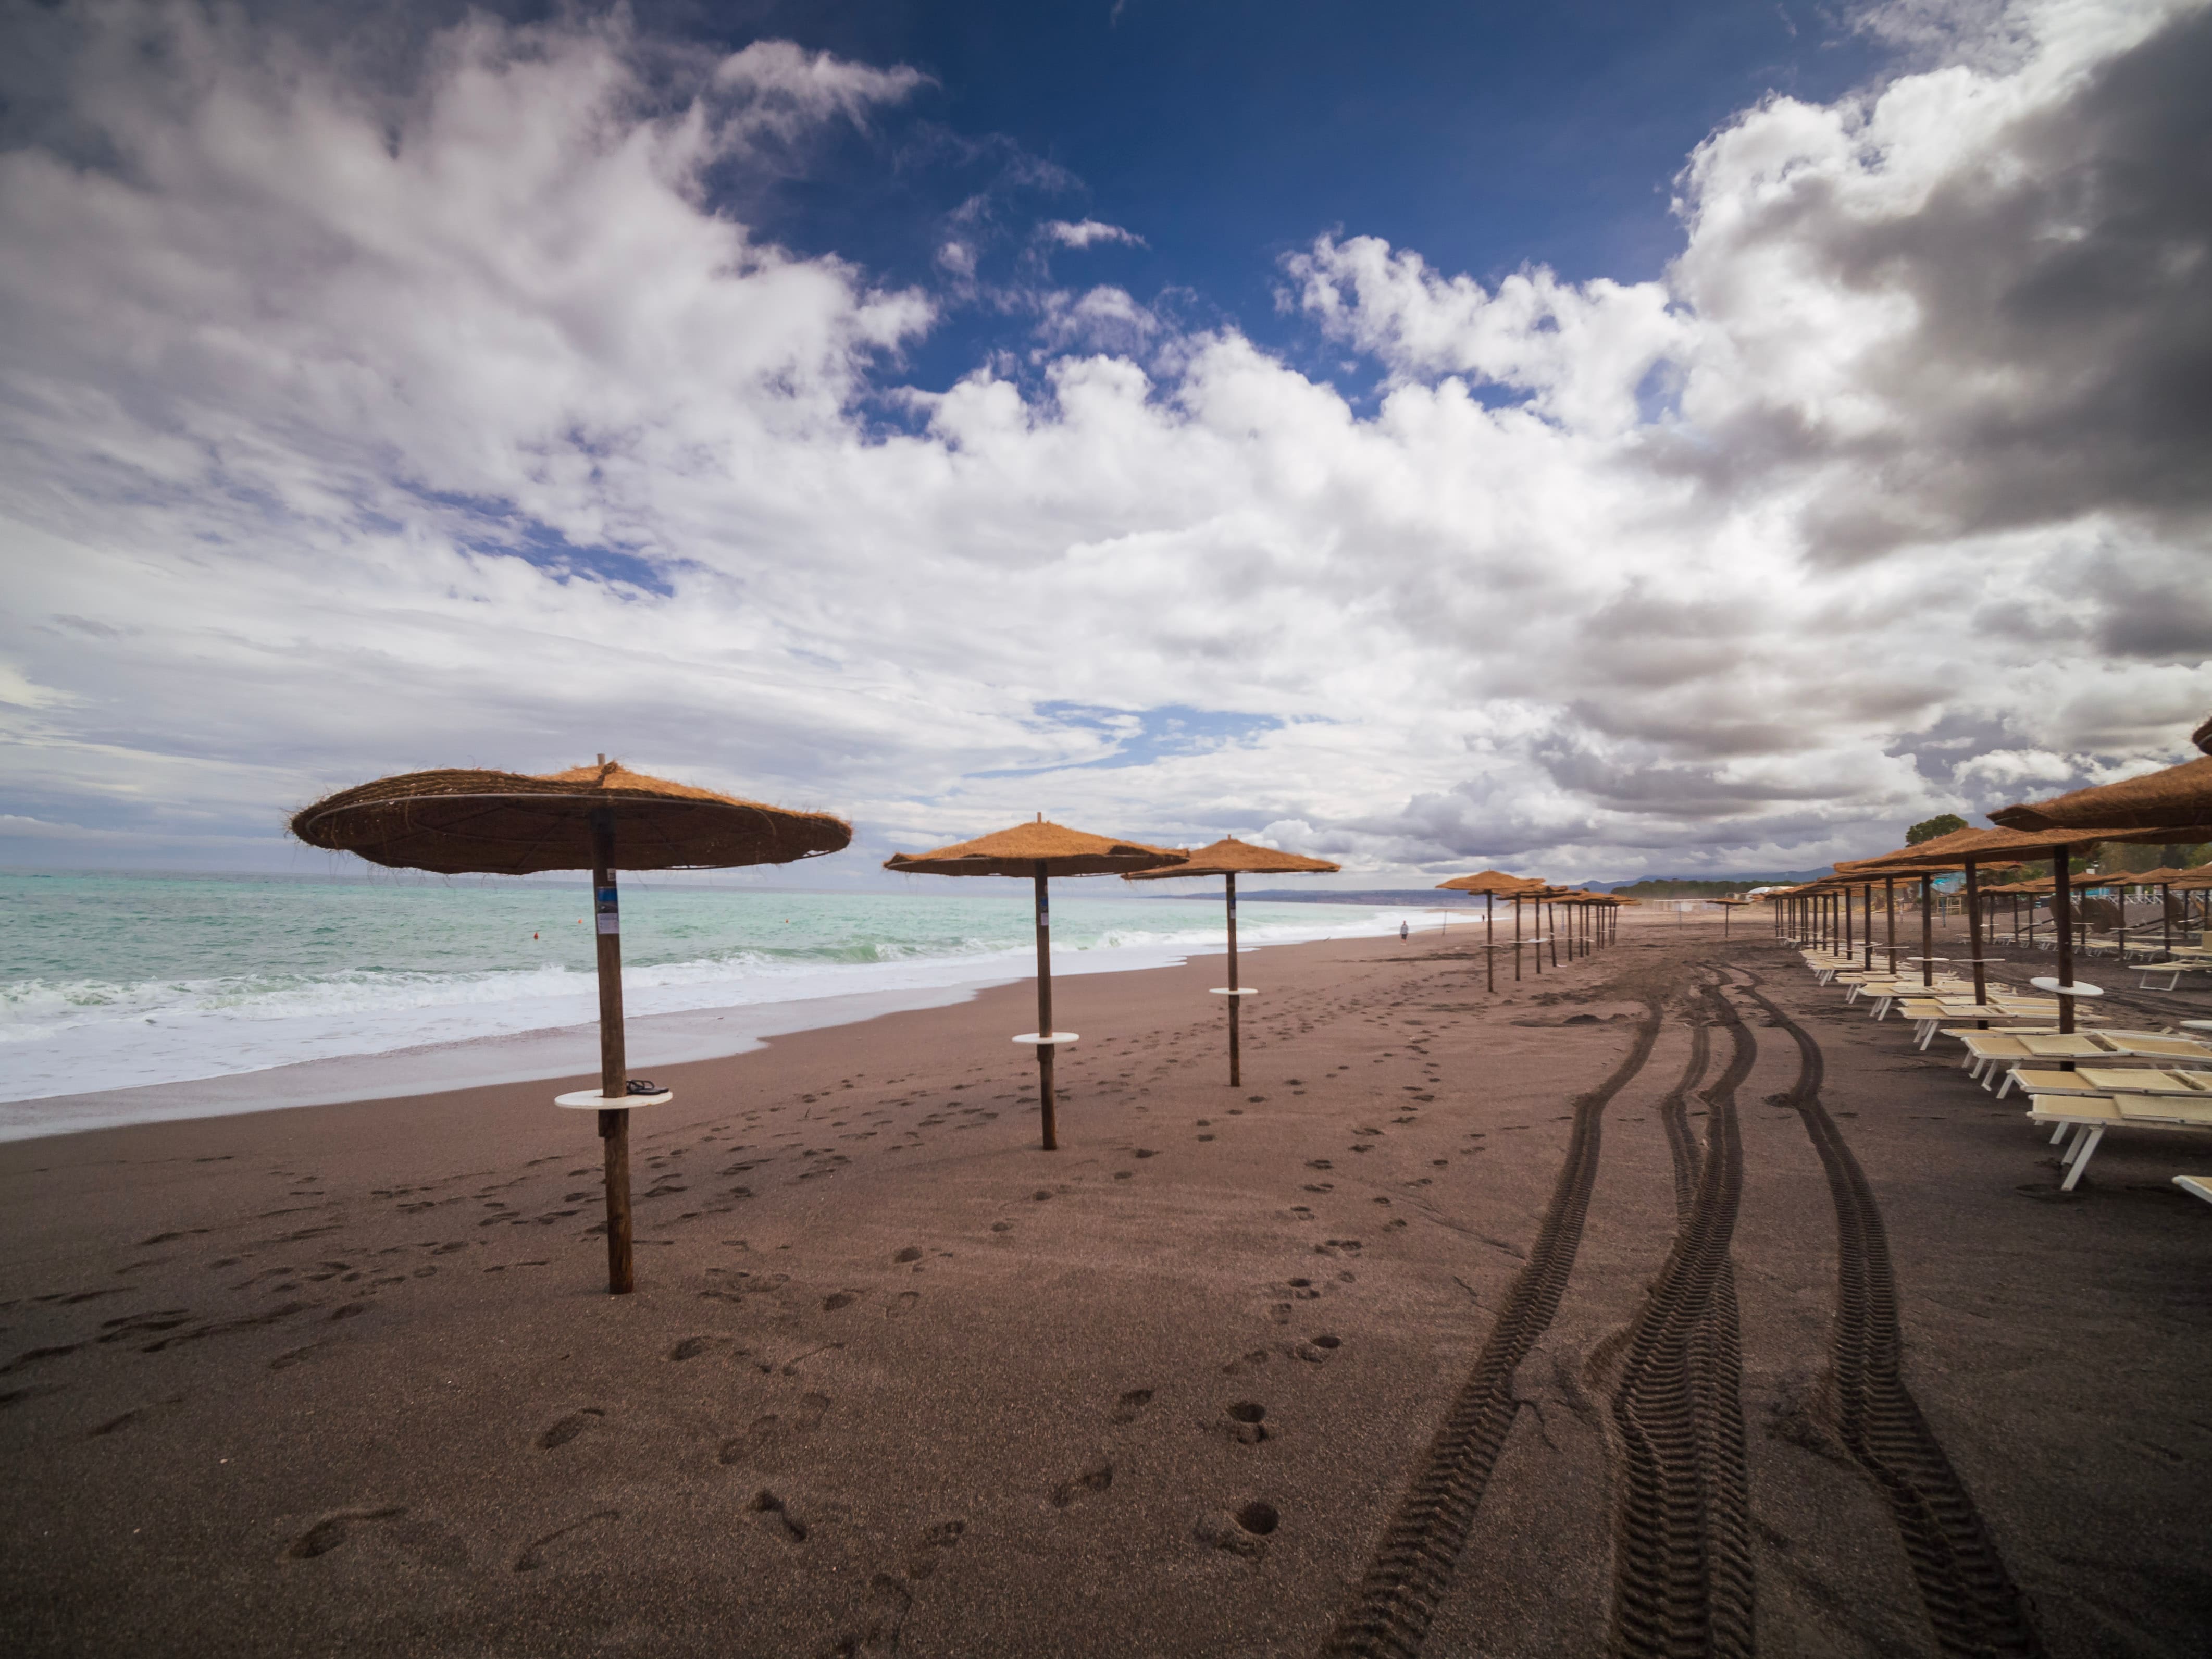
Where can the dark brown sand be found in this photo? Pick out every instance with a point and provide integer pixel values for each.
(1390, 1350)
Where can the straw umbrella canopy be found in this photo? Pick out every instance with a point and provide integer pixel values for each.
(1040, 851)
(1490, 883)
(468, 821)
(2176, 798)
(1230, 858)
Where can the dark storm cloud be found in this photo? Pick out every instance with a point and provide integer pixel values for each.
(2061, 361)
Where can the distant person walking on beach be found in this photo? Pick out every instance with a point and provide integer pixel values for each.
(1403, 930)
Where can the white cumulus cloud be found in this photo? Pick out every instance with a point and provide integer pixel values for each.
(349, 428)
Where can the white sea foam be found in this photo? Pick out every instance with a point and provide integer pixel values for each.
(81, 1033)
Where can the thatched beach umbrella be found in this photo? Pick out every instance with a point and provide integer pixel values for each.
(1490, 883)
(601, 817)
(1730, 906)
(1040, 851)
(2177, 798)
(1230, 858)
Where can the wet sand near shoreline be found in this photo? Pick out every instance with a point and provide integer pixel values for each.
(1659, 1302)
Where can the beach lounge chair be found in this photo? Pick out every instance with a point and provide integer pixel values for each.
(2089, 1116)
(1984, 1049)
(2173, 970)
(2195, 1186)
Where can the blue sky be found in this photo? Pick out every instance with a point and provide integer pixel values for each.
(1229, 133)
(1589, 441)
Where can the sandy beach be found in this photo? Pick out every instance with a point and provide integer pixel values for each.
(1391, 1349)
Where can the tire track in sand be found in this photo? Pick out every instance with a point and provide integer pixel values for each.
(1971, 1600)
(1682, 1558)
(1412, 1568)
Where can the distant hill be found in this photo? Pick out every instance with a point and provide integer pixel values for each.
(1683, 887)
(1391, 899)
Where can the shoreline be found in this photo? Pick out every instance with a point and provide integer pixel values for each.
(655, 1042)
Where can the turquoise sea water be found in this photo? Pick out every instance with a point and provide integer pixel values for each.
(109, 981)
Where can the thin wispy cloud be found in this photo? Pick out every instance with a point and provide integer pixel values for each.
(1088, 232)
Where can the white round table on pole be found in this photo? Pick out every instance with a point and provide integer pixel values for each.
(591, 1100)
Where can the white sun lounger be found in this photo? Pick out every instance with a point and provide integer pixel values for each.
(2195, 1186)
(2173, 971)
(2088, 1116)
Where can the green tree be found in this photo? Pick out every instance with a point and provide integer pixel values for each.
(1927, 829)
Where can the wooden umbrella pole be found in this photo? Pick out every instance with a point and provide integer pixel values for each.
(1490, 943)
(1516, 939)
(1553, 931)
(1927, 930)
(1889, 904)
(1235, 1060)
(1045, 1045)
(614, 1061)
(2062, 906)
(1974, 940)
(2166, 913)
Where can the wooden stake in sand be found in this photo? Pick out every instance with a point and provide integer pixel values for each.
(509, 824)
(1037, 852)
(1227, 858)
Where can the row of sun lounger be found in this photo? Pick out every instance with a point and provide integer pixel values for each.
(2081, 1084)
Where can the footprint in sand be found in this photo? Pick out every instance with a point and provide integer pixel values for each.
(838, 1299)
(568, 1428)
(690, 1348)
(331, 1531)
(115, 1424)
(1243, 1533)
(932, 1544)
(533, 1558)
(912, 1253)
(902, 1304)
(768, 1432)
(1321, 1350)
(1091, 1482)
(1130, 1405)
(776, 1518)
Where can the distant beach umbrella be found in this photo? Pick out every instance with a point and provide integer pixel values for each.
(1490, 883)
(601, 818)
(1966, 848)
(1230, 858)
(1040, 851)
